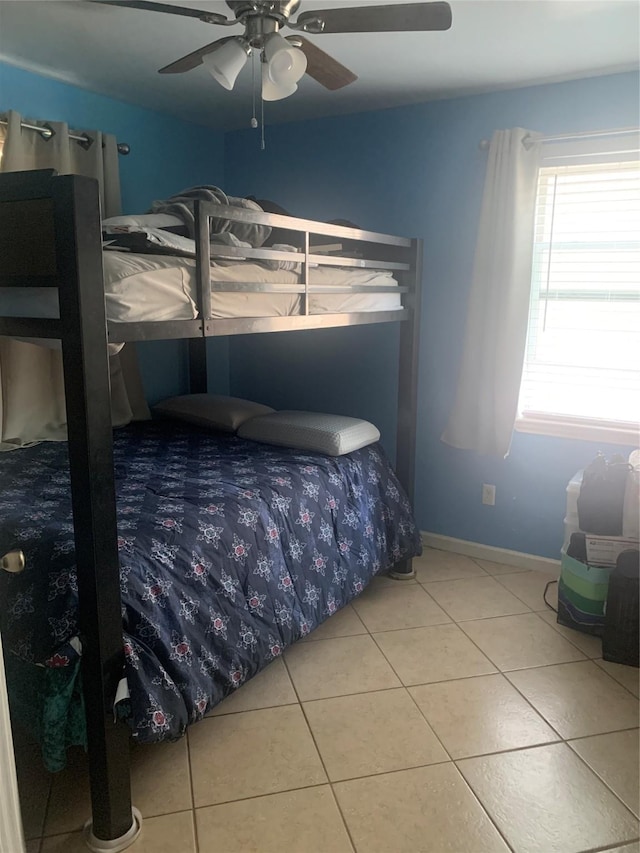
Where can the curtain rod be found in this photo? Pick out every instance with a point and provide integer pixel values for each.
(566, 137)
(46, 132)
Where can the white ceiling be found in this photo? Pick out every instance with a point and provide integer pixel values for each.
(492, 44)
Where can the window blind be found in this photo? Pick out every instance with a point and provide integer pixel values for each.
(582, 356)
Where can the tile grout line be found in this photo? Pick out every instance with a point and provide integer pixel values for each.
(193, 799)
(601, 734)
(555, 627)
(324, 767)
(624, 686)
(519, 669)
(619, 846)
(475, 618)
(507, 672)
(511, 749)
(598, 776)
(259, 796)
(506, 588)
(526, 699)
(438, 763)
(46, 814)
(507, 574)
(551, 726)
(78, 832)
(484, 809)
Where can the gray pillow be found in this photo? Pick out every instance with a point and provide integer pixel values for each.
(211, 410)
(333, 435)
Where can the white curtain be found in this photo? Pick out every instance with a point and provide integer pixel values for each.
(486, 399)
(27, 149)
(32, 406)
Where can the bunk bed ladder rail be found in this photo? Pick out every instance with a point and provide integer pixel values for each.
(407, 421)
(198, 380)
(60, 217)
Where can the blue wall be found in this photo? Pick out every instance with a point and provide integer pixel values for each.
(418, 171)
(166, 156)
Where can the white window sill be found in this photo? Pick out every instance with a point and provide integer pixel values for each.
(607, 432)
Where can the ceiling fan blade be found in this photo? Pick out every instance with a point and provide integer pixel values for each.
(208, 17)
(403, 17)
(192, 60)
(324, 68)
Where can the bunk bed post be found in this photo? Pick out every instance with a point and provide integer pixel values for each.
(87, 389)
(408, 393)
(198, 380)
(198, 383)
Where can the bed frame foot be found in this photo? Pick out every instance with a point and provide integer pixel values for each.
(403, 571)
(115, 845)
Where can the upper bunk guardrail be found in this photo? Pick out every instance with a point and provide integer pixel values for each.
(387, 253)
(292, 223)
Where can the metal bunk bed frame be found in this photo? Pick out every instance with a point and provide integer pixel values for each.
(50, 236)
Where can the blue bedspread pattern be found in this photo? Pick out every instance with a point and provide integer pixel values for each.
(229, 550)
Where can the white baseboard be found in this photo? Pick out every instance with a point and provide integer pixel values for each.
(490, 552)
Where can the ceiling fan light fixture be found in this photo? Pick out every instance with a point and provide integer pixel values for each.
(227, 61)
(275, 91)
(285, 63)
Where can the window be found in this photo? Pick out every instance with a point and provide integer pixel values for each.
(582, 364)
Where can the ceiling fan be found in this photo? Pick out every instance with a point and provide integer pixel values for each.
(286, 60)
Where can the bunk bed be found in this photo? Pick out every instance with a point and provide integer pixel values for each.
(50, 239)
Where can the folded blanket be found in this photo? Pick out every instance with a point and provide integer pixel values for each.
(158, 241)
(182, 205)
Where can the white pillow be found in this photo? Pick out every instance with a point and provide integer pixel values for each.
(142, 220)
(333, 435)
(211, 410)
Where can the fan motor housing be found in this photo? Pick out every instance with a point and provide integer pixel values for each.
(281, 10)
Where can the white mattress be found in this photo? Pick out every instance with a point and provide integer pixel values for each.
(159, 287)
(162, 287)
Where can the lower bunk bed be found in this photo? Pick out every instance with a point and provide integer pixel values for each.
(230, 551)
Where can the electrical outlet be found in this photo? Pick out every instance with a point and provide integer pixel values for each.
(488, 494)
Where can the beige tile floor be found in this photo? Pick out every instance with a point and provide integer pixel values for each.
(444, 715)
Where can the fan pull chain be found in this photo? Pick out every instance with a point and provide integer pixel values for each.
(254, 120)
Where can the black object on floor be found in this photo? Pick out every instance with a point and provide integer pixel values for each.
(578, 547)
(621, 637)
(601, 498)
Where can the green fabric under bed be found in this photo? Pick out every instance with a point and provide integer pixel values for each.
(49, 704)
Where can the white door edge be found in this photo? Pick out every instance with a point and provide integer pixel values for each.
(11, 835)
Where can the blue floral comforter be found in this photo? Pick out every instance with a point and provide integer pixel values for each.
(229, 552)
